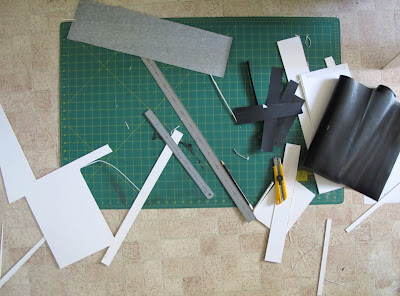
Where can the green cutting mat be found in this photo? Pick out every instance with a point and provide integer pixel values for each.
(103, 95)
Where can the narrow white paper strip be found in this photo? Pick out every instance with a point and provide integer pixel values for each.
(392, 181)
(1, 248)
(15, 169)
(295, 63)
(392, 194)
(281, 215)
(265, 208)
(324, 257)
(21, 262)
(140, 200)
(330, 62)
(317, 88)
(89, 158)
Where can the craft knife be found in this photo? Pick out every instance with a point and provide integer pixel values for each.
(280, 182)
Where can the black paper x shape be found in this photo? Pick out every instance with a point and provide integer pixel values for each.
(278, 114)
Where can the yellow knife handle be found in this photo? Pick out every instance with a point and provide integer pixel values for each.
(277, 186)
(283, 182)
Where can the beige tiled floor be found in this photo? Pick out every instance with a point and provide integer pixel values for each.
(195, 251)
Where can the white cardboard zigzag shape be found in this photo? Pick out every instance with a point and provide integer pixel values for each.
(61, 201)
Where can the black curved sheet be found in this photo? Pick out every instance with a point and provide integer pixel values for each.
(358, 139)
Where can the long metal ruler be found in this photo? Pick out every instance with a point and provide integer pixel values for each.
(185, 162)
(201, 142)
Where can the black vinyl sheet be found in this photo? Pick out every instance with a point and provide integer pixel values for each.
(358, 139)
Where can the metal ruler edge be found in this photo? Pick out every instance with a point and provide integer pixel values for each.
(201, 142)
(185, 162)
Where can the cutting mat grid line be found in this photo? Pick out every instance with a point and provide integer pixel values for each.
(103, 95)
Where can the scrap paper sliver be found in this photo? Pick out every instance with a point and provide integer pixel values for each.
(1, 248)
(324, 257)
(21, 262)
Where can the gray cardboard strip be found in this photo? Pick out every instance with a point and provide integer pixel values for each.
(164, 41)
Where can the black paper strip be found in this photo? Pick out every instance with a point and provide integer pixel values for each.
(277, 115)
(284, 124)
(270, 126)
(259, 113)
(251, 82)
(275, 84)
(268, 135)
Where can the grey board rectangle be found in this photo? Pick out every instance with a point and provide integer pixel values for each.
(138, 34)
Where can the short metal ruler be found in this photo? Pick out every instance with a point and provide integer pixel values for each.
(178, 153)
(103, 95)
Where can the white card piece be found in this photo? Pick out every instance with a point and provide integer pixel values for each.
(293, 57)
(317, 88)
(392, 181)
(324, 185)
(302, 199)
(281, 215)
(330, 62)
(140, 200)
(15, 169)
(295, 63)
(67, 213)
(61, 201)
(265, 208)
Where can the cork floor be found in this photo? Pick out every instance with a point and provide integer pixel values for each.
(195, 251)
